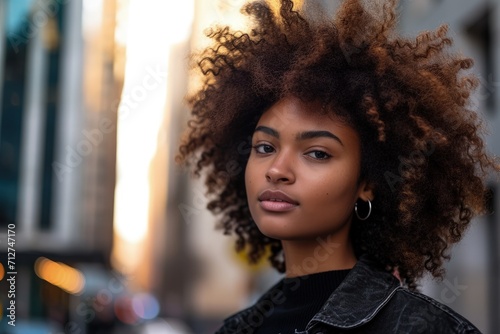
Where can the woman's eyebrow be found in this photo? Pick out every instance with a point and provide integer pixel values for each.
(268, 130)
(316, 134)
(301, 136)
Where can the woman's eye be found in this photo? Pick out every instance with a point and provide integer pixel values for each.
(319, 155)
(263, 148)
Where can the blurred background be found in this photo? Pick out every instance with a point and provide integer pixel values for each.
(109, 235)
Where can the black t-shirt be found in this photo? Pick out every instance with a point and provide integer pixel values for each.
(302, 298)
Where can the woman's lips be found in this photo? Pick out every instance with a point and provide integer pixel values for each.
(277, 206)
(276, 201)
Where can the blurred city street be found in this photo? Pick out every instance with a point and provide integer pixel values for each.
(100, 231)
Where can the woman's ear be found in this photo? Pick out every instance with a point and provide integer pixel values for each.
(366, 191)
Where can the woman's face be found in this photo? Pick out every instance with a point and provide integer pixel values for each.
(302, 174)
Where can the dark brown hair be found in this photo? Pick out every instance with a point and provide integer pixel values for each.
(408, 99)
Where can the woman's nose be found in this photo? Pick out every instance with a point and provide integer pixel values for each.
(281, 170)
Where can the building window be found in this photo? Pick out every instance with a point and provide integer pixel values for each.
(52, 36)
(14, 50)
(29, 89)
(480, 31)
(494, 251)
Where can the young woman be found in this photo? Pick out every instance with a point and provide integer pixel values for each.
(348, 154)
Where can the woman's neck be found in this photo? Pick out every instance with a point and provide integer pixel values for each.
(304, 257)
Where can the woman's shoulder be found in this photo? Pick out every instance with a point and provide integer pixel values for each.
(372, 300)
(419, 313)
(249, 319)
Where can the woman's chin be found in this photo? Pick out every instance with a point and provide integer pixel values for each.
(284, 234)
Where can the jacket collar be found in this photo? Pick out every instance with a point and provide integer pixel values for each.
(365, 290)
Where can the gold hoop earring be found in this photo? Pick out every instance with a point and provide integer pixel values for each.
(369, 210)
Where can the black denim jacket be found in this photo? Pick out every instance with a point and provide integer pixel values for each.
(369, 300)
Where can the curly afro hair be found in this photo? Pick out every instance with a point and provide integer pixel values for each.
(409, 99)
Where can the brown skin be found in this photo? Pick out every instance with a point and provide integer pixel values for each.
(321, 174)
(408, 99)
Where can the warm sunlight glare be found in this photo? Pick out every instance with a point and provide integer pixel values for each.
(152, 27)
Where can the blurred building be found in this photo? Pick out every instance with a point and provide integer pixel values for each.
(60, 83)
